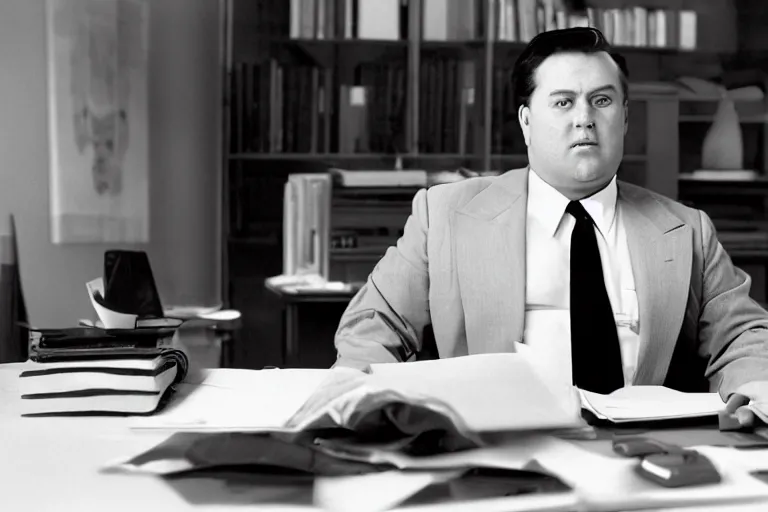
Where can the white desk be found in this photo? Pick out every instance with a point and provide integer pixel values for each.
(52, 464)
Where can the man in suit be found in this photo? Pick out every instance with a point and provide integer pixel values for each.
(610, 283)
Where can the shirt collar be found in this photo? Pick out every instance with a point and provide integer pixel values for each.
(548, 205)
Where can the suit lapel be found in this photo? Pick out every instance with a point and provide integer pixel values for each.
(661, 253)
(490, 256)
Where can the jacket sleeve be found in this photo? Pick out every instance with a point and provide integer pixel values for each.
(384, 321)
(733, 328)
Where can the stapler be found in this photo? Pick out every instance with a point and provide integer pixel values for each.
(681, 469)
(667, 464)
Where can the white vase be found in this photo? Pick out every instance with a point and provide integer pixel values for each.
(723, 148)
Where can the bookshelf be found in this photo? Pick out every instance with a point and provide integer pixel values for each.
(738, 208)
(306, 88)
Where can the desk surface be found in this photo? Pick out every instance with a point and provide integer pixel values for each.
(53, 464)
(318, 295)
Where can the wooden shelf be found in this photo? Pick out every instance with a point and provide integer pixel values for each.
(705, 118)
(472, 43)
(329, 42)
(748, 254)
(361, 156)
(650, 50)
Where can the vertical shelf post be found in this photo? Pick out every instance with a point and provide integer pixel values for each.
(487, 96)
(663, 144)
(414, 66)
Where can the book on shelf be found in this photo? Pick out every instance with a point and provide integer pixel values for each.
(348, 19)
(452, 20)
(447, 119)
(306, 224)
(382, 178)
(294, 108)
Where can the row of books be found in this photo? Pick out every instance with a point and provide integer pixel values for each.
(349, 19)
(464, 20)
(506, 135)
(447, 119)
(521, 20)
(280, 108)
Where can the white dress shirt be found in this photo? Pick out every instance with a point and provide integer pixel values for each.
(547, 294)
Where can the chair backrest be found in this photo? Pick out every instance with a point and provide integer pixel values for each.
(14, 335)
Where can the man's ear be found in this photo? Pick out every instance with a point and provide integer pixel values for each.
(524, 117)
(626, 116)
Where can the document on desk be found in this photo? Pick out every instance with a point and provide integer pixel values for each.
(471, 394)
(650, 403)
(490, 392)
(226, 400)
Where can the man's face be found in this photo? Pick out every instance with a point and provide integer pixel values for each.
(575, 122)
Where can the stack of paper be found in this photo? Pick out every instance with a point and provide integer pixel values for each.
(648, 403)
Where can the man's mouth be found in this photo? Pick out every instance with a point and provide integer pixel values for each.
(584, 143)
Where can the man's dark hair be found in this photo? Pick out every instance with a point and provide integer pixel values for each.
(577, 39)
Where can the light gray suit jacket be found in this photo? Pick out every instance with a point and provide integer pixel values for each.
(460, 267)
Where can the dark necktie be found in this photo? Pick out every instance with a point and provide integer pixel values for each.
(595, 350)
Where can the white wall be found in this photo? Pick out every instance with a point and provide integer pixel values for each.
(185, 162)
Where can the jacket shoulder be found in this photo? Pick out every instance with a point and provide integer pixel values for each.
(455, 195)
(647, 198)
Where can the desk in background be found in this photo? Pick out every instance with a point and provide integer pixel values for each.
(310, 320)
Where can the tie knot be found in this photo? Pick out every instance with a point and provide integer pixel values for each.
(576, 209)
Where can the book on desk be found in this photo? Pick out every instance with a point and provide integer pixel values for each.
(127, 364)
(91, 370)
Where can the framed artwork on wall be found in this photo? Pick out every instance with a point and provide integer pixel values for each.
(98, 120)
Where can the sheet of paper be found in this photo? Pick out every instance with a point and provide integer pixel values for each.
(109, 319)
(374, 492)
(642, 403)
(387, 491)
(490, 392)
(225, 399)
(761, 410)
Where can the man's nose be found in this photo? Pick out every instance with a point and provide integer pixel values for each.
(584, 116)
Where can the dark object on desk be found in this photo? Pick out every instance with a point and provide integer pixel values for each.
(728, 422)
(685, 437)
(682, 469)
(665, 463)
(479, 483)
(638, 446)
(129, 285)
(254, 453)
(92, 343)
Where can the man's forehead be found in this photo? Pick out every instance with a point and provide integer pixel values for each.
(577, 70)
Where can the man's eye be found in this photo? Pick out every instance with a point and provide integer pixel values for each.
(563, 103)
(603, 101)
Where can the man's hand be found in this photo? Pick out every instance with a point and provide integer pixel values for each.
(757, 393)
